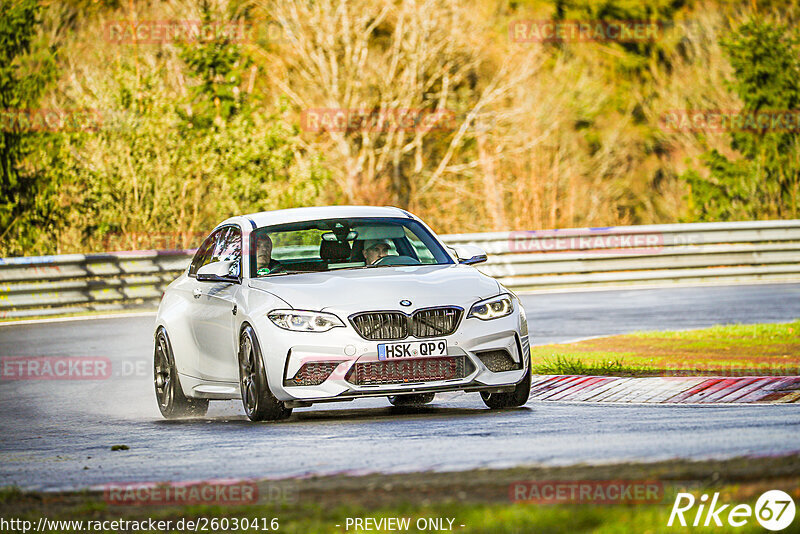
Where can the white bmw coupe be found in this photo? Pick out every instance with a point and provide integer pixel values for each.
(288, 308)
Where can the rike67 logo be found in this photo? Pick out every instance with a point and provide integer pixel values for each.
(774, 510)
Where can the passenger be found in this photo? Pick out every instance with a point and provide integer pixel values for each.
(375, 249)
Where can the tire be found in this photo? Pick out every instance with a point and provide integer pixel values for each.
(512, 399)
(258, 401)
(172, 402)
(414, 399)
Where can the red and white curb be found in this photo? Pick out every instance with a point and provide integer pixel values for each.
(667, 389)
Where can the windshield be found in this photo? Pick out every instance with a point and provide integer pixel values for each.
(333, 244)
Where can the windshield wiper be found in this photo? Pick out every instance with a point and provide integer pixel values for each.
(365, 267)
(286, 272)
(280, 273)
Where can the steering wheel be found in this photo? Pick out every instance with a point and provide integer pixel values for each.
(397, 260)
(277, 267)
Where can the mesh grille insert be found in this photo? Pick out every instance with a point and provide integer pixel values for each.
(313, 373)
(498, 361)
(409, 370)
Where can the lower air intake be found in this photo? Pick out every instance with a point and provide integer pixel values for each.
(498, 361)
(313, 373)
(409, 370)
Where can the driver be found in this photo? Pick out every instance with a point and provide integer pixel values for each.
(264, 262)
(375, 249)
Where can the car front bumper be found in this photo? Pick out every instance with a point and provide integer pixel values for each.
(285, 353)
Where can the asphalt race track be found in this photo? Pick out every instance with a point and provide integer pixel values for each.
(57, 434)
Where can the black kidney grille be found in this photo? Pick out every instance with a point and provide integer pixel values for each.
(381, 325)
(389, 325)
(435, 322)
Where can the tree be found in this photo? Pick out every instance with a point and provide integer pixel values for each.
(764, 182)
(409, 79)
(180, 153)
(25, 72)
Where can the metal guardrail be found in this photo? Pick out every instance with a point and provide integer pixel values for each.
(73, 283)
(549, 259)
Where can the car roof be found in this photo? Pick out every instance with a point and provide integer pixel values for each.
(269, 218)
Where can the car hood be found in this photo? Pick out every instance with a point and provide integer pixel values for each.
(381, 288)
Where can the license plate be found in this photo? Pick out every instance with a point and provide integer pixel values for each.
(412, 349)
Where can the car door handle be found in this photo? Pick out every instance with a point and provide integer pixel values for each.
(197, 293)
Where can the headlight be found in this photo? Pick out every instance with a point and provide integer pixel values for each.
(304, 321)
(492, 308)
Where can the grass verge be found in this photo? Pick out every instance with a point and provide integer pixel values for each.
(734, 350)
(479, 500)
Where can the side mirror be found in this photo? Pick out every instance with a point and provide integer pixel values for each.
(219, 271)
(469, 254)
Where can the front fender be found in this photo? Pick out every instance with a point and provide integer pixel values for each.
(173, 315)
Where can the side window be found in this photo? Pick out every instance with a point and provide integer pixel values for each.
(229, 248)
(223, 245)
(203, 254)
